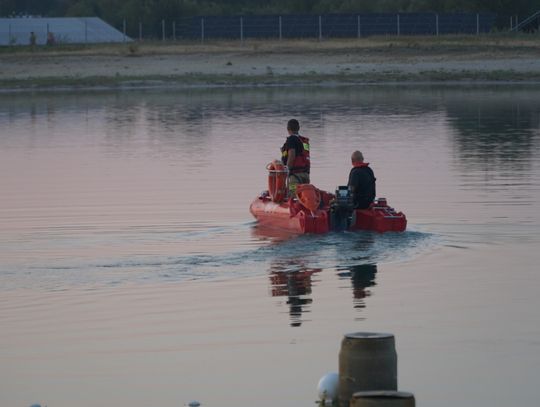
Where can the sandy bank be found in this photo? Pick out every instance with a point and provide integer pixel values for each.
(288, 62)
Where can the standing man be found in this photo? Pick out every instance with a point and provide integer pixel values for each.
(295, 155)
(361, 182)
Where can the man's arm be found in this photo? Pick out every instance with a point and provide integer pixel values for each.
(291, 155)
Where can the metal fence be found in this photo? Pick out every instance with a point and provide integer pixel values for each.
(314, 26)
(16, 31)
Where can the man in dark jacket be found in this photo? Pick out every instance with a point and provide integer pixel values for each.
(295, 155)
(361, 182)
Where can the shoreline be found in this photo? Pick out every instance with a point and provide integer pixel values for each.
(61, 86)
(406, 60)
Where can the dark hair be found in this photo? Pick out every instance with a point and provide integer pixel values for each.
(293, 125)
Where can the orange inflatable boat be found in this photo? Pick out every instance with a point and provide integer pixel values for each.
(316, 211)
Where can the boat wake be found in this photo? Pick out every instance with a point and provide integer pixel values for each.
(255, 253)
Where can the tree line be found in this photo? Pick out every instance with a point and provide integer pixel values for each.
(153, 11)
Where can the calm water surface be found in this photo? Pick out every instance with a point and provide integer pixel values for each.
(131, 271)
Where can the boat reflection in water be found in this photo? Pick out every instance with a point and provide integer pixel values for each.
(292, 279)
(294, 275)
(362, 277)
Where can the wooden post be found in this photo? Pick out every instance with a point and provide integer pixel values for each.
(140, 31)
(174, 30)
(437, 24)
(280, 29)
(202, 30)
(124, 28)
(242, 30)
(398, 27)
(477, 24)
(320, 28)
(382, 399)
(359, 33)
(163, 30)
(367, 361)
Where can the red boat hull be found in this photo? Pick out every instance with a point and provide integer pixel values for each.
(284, 216)
(293, 217)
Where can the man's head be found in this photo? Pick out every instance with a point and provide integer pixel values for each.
(293, 126)
(357, 157)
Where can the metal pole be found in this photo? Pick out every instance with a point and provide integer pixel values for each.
(9, 35)
(437, 24)
(320, 28)
(174, 30)
(140, 31)
(477, 24)
(242, 30)
(358, 26)
(85, 32)
(398, 27)
(202, 30)
(124, 29)
(280, 28)
(163, 30)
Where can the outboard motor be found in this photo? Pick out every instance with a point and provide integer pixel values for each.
(342, 209)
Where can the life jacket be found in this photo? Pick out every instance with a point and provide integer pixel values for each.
(301, 162)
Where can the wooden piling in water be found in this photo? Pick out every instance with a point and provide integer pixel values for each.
(367, 362)
(382, 399)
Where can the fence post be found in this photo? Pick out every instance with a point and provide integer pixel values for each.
(477, 24)
(163, 30)
(140, 31)
(437, 24)
(9, 35)
(202, 30)
(85, 32)
(320, 28)
(124, 28)
(359, 33)
(174, 30)
(242, 30)
(398, 27)
(280, 28)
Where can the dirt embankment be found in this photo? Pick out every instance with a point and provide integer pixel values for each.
(420, 59)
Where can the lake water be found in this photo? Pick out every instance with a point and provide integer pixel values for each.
(131, 272)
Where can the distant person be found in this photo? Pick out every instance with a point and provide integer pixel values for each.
(33, 38)
(50, 38)
(361, 182)
(295, 155)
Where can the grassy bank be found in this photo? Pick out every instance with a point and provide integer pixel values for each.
(503, 42)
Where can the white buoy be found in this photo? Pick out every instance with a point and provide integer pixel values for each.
(327, 389)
